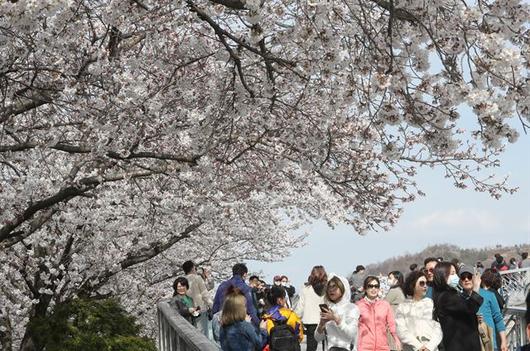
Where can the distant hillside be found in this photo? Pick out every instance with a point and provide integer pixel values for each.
(448, 252)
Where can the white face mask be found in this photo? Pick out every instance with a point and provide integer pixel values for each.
(392, 281)
(453, 281)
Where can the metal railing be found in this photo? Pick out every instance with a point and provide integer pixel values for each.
(515, 328)
(176, 334)
(515, 287)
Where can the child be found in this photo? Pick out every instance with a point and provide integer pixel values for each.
(278, 315)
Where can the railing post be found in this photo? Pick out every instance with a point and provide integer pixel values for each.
(515, 285)
(177, 334)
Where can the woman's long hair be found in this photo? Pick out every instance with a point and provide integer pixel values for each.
(234, 307)
(440, 275)
(318, 279)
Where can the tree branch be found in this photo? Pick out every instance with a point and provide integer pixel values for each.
(233, 4)
(401, 14)
(63, 195)
(17, 109)
(136, 258)
(75, 149)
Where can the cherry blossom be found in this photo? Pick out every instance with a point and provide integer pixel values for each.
(138, 134)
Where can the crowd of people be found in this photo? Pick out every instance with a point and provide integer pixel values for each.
(442, 305)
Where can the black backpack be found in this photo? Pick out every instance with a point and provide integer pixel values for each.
(282, 337)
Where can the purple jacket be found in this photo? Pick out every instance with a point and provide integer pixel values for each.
(238, 282)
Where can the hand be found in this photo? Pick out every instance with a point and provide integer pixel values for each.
(248, 318)
(476, 282)
(263, 324)
(191, 309)
(327, 316)
(321, 326)
(504, 346)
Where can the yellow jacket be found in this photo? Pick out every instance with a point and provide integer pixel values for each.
(278, 313)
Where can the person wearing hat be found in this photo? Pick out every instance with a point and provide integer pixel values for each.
(457, 311)
(489, 312)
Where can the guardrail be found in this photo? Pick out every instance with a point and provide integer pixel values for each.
(515, 287)
(515, 328)
(177, 334)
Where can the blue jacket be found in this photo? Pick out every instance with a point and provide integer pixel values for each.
(429, 292)
(239, 283)
(242, 336)
(491, 313)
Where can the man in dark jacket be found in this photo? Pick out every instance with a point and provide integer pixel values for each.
(239, 274)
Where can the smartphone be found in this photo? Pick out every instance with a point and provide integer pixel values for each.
(324, 307)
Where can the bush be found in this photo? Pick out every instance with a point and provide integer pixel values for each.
(89, 325)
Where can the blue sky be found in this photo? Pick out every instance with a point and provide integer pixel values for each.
(445, 215)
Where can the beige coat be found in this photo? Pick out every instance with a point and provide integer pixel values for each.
(394, 297)
(198, 291)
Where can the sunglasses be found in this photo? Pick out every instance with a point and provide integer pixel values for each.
(467, 276)
(372, 286)
(422, 283)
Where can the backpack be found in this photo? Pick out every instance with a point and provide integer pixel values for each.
(282, 337)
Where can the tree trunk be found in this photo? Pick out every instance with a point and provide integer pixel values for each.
(27, 342)
(6, 337)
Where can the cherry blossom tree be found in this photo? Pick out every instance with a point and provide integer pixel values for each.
(137, 134)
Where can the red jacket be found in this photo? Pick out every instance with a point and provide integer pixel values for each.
(376, 318)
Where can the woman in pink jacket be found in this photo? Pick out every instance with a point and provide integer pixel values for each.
(376, 318)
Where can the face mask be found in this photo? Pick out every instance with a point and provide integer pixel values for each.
(285, 284)
(392, 282)
(453, 281)
(277, 283)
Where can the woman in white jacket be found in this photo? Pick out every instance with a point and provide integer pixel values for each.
(339, 321)
(415, 327)
(312, 295)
